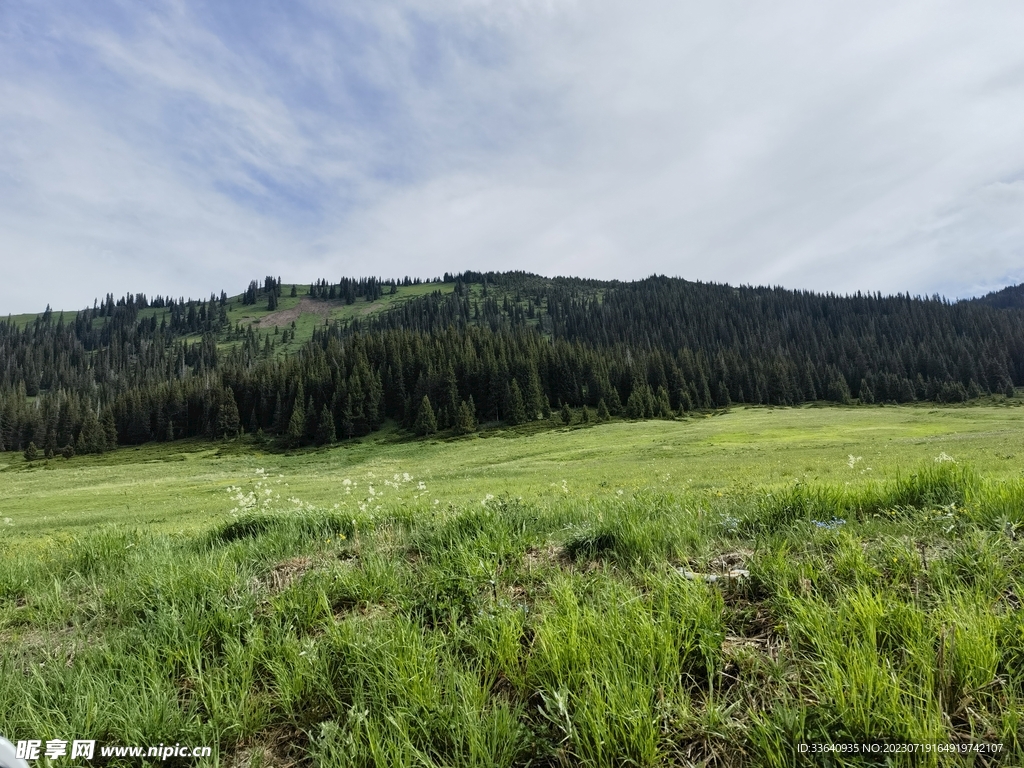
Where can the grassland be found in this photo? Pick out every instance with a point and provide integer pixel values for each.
(541, 596)
(181, 487)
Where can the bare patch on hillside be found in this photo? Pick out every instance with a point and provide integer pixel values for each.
(306, 306)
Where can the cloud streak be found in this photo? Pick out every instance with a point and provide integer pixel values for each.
(179, 147)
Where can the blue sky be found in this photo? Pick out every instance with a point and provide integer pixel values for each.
(184, 147)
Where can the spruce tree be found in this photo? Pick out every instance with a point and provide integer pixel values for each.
(566, 414)
(635, 404)
(228, 421)
(325, 432)
(866, 396)
(602, 410)
(346, 423)
(465, 422)
(296, 424)
(109, 431)
(516, 407)
(614, 402)
(426, 422)
(838, 391)
(662, 406)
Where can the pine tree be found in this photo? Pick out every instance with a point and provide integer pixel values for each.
(566, 414)
(838, 391)
(296, 424)
(602, 410)
(346, 423)
(325, 432)
(614, 402)
(109, 430)
(516, 407)
(465, 422)
(662, 406)
(228, 421)
(426, 422)
(685, 402)
(585, 415)
(866, 396)
(635, 404)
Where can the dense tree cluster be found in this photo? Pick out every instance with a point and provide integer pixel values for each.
(349, 289)
(505, 348)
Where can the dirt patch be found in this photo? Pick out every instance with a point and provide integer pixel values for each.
(282, 748)
(770, 645)
(542, 557)
(284, 574)
(306, 306)
(362, 609)
(372, 307)
(730, 561)
(49, 646)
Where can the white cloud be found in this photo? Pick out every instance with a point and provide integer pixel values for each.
(186, 148)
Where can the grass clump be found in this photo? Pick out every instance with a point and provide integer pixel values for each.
(569, 631)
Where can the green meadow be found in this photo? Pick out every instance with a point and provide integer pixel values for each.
(728, 589)
(181, 487)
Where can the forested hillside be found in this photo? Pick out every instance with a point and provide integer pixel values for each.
(330, 361)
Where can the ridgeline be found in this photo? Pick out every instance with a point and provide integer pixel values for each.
(327, 361)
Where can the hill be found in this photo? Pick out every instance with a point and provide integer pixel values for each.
(328, 361)
(1011, 297)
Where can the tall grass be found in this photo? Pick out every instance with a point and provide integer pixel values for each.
(503, 633)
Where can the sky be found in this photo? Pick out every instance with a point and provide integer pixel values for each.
(177, 148)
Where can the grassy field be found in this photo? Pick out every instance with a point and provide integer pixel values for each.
(181, 486)
(713, 591)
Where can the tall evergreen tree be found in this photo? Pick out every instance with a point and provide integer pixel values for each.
(466, 421)
(228, 422)
(426, 422)
(516, 406)
(109, 430)
(296, 425)
(325, 431)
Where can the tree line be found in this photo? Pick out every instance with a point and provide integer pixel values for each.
(495, 347)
